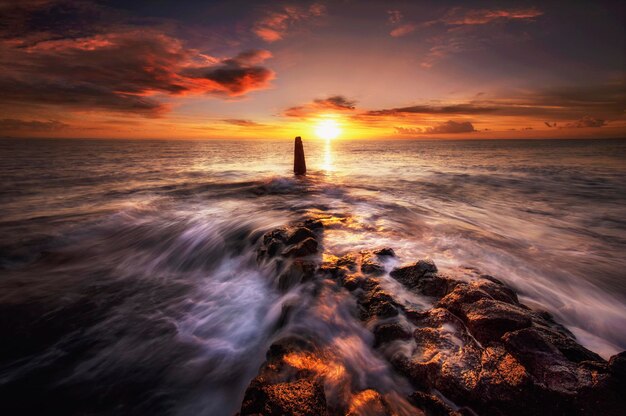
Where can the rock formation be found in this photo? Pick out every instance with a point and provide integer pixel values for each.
(475, 350)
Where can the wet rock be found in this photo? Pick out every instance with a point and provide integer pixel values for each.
(349, 261)
(410, 275)
(497, 291)
(280, 389)
(385, 252)
(299, 271)
(298, 398)
(313, 224)
(372, 268)
(422, 277)
(489, 319)
(300, 234)
(377, 302)
(304, 248)
(388, 332)
(617, 365)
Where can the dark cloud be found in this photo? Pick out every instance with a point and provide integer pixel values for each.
(123, 71)
(429, 109)
(587, 121)
(448, 127)
(82, 55)
(11, 124)
(451, 127)
(242, 122)
(336, 103)
(565, 103)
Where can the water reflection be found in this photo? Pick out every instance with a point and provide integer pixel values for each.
(328, 157)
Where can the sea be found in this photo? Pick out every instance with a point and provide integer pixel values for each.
(128, 274)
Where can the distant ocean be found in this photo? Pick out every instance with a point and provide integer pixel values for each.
(127, 267)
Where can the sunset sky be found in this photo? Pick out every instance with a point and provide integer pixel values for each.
(377, 69)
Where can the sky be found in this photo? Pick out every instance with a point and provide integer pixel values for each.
(261, 69)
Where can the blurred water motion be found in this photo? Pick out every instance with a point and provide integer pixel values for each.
(129, 268)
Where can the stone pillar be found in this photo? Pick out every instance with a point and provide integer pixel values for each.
(299, 164)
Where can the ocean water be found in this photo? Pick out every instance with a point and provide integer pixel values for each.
(128, 274)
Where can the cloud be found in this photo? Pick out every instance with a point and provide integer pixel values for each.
(448, 127)
(459, 16)
(275, 25)
(468, 108)
(460, 30)
(243, 122)
(562, 103)
(403, 30)
(394, 16)
(408, 130)
(451, 127)
(11, 124)
(587, 121)
(123, 71)
(334, 103)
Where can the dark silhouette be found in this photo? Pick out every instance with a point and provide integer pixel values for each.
(299, 164)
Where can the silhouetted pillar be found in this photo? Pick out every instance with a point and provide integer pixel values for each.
(299, 164)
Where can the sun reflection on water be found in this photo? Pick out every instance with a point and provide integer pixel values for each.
(328, 157)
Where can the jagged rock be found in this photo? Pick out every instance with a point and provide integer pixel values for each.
(313, 224)
(298, 398)
(389, 332)
(477, 347)
(377, 302)
(410, 275)
(422, 276)
(617, 365)
(385, 252)
(304, 248)
(489, 319)
(280, 389)
(300, 234)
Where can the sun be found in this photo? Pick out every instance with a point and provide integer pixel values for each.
(327, 129)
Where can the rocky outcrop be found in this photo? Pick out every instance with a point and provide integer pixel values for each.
(475, 350)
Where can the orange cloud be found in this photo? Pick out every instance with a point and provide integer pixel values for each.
(123, 71)
(403, 30)
(458, 16)
(275, 25)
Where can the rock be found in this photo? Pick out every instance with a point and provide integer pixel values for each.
(384, 333)
(281, 389)
(410, 275)
(372, 268)
(377, 302)
(313, 224)
(304, 248)
(298, 398)
(617, 365)
(368, 402)
(385, 252)
(422, 277)
(300, 234)
(489, 319)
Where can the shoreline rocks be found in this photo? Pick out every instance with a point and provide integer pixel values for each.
(476, 350)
